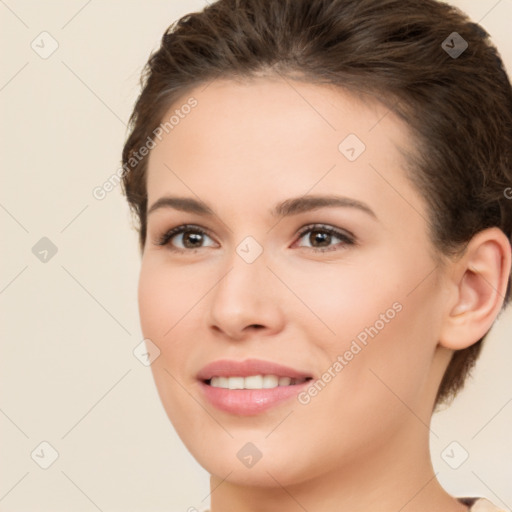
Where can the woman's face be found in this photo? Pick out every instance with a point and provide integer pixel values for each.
(357, 309)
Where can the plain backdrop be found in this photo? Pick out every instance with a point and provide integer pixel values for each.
(68, 281)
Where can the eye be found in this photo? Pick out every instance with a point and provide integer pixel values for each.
(192, 239)
(323, 235)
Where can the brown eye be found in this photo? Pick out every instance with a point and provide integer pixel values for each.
(320, 238)
(192, 238)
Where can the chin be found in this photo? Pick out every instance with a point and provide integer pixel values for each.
(232, 462)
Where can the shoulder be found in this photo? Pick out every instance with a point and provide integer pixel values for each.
(475, 505)
(480, 505)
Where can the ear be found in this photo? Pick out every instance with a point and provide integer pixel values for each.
(477, 287)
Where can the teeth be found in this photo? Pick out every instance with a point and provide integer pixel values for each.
(269, 381)
(222, 382)
(235, 382)
(284, 381)
(253, 382)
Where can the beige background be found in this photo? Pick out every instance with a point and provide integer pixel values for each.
(68, 375)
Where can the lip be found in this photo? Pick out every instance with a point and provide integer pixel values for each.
(247, 402)
(246, 368)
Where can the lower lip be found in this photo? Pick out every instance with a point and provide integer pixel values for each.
(247, 402)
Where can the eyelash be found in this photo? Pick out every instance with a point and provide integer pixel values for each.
(347, 239)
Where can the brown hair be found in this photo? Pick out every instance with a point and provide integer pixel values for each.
(459, 107)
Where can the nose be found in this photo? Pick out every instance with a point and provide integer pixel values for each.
(246, 299)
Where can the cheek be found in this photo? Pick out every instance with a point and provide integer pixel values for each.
(333, 302)
(162, 296)
(162, 305)
(152, 302)
(372, 397)
(351, 303)
(393, 367)
(169, 312)
(385, 334)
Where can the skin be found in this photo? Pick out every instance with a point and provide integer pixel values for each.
(363, 442)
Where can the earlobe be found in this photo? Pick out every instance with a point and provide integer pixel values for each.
(480, 279)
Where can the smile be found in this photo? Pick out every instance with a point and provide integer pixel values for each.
(251, 386)
(254, 382)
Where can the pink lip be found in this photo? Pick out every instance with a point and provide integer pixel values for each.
(246, 402)
(230, 368)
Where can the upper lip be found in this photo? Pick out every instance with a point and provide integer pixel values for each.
(247, 367)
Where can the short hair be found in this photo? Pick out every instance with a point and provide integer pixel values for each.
(425, 61)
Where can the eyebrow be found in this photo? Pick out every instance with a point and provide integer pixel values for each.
(292, 206)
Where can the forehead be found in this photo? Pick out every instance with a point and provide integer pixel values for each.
(276, 134)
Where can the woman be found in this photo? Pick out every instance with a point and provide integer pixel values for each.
(321, 196)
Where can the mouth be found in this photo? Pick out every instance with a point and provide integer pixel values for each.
(250, 387)
(254, 382)
(250, 374)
